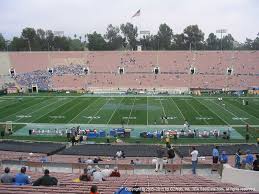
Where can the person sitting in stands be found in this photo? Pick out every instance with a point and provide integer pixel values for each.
(7, 177)
(137, 161)
(79, 160)
(123, 154)
(20, 158)
(249, 160)
(115, 172)
(118, 154)
(85, 176)
(46, 180)
(89, 161)
(256, 163)
(94, 190)
(90, 170)
(44, 159)
(95, 161)
(99, 159)
(98, 176)
(106, 171)
(22, 178)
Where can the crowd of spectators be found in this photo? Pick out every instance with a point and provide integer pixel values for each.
(40, 78)
(90, 174)
(96, 160)
(97, 174)
(72, 69)
(43, 81)
(247, 162)
(23, 179)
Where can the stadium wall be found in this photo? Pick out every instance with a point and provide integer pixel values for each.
(178, 71)
(245, 178)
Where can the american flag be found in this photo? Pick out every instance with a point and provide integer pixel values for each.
(136, 14)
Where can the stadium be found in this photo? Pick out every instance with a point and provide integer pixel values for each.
(143, 116)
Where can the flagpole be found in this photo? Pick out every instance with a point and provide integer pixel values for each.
(138, 23)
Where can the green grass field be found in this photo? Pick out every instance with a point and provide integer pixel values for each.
(138, 110)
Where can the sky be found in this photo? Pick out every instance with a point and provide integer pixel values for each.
(239, 17)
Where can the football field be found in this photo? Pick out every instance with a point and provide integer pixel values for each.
(129, 110)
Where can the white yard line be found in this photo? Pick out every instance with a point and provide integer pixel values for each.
(114, 111)
(37, 110)
(178, 108)
(95, 100)
(24, 109)
(214, 112)
(12, 101)
(99, 110)
(162, 106)
(66, 111)
(133, 104)
(229, 111)
(244, 111)
(50, 111)
(197, 112)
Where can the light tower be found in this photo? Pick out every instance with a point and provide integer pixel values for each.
(221, 31)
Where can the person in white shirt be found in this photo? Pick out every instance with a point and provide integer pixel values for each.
(118, 154)
(107, 171)
(89, 161)
(98, 175)
(194, 155)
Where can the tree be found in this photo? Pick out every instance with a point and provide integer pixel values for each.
(96, 42)
(227, 42)
(213, 43)
(179, 42)
(256, 43)
(18, 44)
(149, 42)
(29, 34)
(165, 35)
(115, 41)
(41, 34)
(40, 43)
(75, 45)
(61, 43)
(248, 45)
(2, 42)
(130, 33)
(50, 40)
(194, 37)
